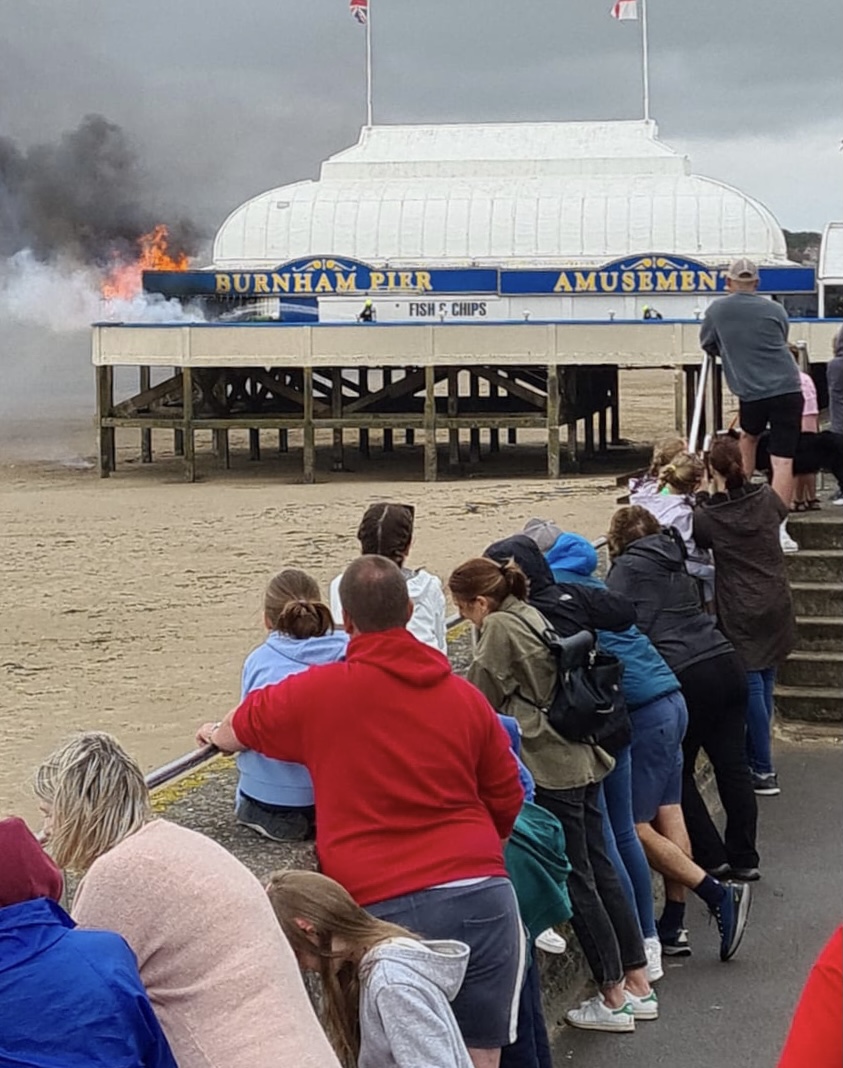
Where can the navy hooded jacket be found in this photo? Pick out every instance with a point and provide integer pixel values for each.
(71, 997)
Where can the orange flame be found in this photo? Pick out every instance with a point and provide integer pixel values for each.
(124, 280)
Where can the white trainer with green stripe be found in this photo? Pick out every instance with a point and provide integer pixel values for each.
(643, 1008)
(596, 1015)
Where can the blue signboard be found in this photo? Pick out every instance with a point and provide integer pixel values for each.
(340, 276)
(644, 275)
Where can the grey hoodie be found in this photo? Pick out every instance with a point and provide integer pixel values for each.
(405, 1014)
(835, 385)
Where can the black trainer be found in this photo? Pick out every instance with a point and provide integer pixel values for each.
(720, 872)
(731, 916)
(678, 945)
(766, 785)
(745, 875)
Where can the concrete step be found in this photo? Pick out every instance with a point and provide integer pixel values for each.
(809, 704)
(818, 633)
(818, 598)
(818, 530)
(815, 565)
(822, 670)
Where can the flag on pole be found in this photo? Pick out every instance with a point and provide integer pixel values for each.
(622, 9)
(360, 10)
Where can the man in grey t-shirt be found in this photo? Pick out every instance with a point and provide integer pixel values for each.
(749, 334)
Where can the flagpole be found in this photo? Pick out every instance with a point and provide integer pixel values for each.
(645, 56)
(369, 64)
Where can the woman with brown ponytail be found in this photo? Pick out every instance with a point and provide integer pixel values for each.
(740, 523)
(516, 672)
(275, 798)
(387, 530)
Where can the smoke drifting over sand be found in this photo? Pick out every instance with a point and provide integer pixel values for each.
(69, 212)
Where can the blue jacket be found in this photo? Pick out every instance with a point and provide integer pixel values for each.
(510, 724)
(646, 676)
(277, 782)
(70, 997)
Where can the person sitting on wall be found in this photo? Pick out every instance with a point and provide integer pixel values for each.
(651, 313)
(368, 314)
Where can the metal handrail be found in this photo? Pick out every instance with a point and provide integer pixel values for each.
(183, 764)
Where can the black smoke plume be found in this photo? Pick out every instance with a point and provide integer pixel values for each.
(86, 197)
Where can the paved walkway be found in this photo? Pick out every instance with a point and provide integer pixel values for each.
(717, 1015)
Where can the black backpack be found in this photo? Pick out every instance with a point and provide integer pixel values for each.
(588, 704)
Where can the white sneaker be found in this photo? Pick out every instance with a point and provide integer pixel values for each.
(787, 543)
(551, 942)
(653, 950)
(596, 1015)
(646, 1008)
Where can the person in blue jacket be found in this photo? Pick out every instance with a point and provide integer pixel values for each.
(274, 797)
(67, 997)
(652, 693)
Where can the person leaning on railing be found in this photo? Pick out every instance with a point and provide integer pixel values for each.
(221, 975)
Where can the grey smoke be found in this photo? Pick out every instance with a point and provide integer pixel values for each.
(85, 197)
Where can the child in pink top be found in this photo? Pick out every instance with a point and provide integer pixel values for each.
(805, 486)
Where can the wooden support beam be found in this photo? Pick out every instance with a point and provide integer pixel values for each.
(430, 465)
(601, 428)
(362, 390)
(512, 436)
(254, 444)
(678, 400)
(189, 440)
(225, 450)
(392, 390)
(474, 432)
(510, 385)
(387, 434)
(105, 434)
(283, 441)
(615, 394)
(178, 443)
(309, 451)
(336, 413)
(144, 379)
(494, 432)
(552, 421)
(453, 411)
(151, 396)
(589, 434)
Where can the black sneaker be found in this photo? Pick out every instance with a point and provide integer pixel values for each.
(731, 916)
(289, 826)
(766, 785)
(745, 875)
(720, 872)
(677, 945)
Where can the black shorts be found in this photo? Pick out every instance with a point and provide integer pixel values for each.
(783, 414)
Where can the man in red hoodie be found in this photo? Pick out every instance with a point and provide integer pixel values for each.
(416, 788)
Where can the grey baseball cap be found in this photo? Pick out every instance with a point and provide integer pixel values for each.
(544, 532)
(742, 270)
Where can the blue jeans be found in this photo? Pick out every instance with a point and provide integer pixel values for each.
(759, 720)
(622, 843)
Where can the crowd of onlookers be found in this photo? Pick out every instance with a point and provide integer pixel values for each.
(458, 821)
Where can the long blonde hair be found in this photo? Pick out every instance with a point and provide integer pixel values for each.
(341, 932)
(684, 473)
(98, 797)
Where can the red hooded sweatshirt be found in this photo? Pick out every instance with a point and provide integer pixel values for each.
(414, 779)
(816, 1034)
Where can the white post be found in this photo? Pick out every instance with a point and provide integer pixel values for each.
(645, 56)
(369, 64)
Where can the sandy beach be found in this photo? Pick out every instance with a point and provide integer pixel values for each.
(130, 603)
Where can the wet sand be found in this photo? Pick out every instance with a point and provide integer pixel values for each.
(130, 603)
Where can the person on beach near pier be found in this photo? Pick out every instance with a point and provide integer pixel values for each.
(738, 523)
(367, 312)
(748, 333)
(275, 798)
(220, 974)
(67, 997)
(386, 993)
(387, 530)
(516, 671)
(648, 567)
(416, 788)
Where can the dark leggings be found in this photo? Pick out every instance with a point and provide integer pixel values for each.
(532, 1048)
(603, 919)
(716, 695)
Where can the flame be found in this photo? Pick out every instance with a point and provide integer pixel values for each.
(124, 281)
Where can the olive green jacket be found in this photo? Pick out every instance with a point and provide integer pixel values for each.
(516, 672)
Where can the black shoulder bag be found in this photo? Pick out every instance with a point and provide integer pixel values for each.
(588, 704)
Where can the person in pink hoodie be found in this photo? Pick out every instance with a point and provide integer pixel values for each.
(220, 974)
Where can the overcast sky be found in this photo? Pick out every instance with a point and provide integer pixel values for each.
(225, 100)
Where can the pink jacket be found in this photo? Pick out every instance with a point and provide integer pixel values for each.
(220, 974)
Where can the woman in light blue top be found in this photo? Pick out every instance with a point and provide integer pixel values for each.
(274, 797)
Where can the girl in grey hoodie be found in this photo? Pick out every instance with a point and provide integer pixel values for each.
(385, 993)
